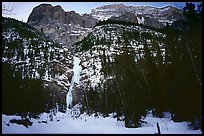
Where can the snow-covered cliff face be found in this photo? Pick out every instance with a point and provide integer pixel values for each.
(34, 56)
(163, 15)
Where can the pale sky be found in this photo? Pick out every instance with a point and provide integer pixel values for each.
(22, 10)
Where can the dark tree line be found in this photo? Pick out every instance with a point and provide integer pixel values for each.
(22, 96)
(23, 90)
(173, 84)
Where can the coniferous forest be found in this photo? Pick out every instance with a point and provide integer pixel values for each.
(173, 85)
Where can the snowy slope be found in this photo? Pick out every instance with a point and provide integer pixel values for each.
(91, 61)
(33, 52)
(36, 56)
(69, 123)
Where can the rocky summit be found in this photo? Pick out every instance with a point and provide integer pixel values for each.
(69, 27)
(64, 27)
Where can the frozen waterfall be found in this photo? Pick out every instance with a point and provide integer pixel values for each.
(75, 79)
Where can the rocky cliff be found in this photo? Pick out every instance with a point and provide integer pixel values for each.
(67, 28)
(163, 15)
(64, 27)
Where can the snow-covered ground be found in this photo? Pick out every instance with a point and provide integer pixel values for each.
(84, 124)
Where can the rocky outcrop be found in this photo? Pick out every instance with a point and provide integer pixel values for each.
(40, 14)
(43, 13)
(126, 17)
(152, 22)
(77, 95)
(65, 28)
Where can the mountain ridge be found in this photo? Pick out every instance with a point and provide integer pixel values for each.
(139, 9)
(70, 26)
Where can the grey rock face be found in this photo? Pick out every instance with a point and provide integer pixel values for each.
(126, 17)
(40, 14)
(77, 95)
(152, 22)
(64, 27)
